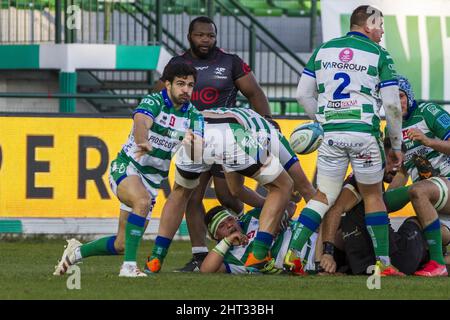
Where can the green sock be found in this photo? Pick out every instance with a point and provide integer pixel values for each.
(160, 248)
(397, 198)
(100, 247)
(262, 244)
(134, 230)
(307, 223)
(377, 224)
(433, 235)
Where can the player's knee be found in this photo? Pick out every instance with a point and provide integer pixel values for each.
(142, 205)
(417, 191)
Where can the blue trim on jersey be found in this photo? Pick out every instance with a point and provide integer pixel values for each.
(388, 83)
(120, 179)
(227, 266)
(289, 164)
(264, 237)
(110, 245)
(447, 135)
(169, 102)
(146, 112)
(309, 73)
(356, 33)
(136, 220)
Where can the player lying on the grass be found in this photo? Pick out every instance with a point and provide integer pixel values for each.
(229, 144)
(426, 135)
(409, 250)
(161, 123)
(235, 241)
(407, 243)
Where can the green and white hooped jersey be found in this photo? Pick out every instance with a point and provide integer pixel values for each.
(235, 258)
(165, 135)
(349, 72)
(264, 132)
(434, 122)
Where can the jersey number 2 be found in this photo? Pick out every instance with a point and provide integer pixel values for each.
(338, 95)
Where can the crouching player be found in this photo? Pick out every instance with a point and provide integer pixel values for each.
(229, 144)
(426, 135)
(161, 122)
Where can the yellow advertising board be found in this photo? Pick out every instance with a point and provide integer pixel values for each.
(54, 167)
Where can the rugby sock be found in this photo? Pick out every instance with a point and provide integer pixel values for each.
(307, 223)
(433, 235)
(100, 247)
(134, 230)
(397, 198)
(160, 248)
(261, 244)
(377, 223)
(199, 250)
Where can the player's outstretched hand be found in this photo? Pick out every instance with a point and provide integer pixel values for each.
(237, 238)
(142, 149)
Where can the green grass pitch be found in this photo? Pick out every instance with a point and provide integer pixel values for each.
(26, 268)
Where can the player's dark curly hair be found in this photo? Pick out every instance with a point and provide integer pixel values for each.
(201, 19)
(180, 70)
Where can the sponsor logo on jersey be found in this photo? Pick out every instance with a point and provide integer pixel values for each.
(201, 68)
(346, 55)
(405, 134)
(341, 104)
(433, 110)
(208, 95)
(344, 144)
(219, 73)
(163, 120)
(162, 142)
(343, 66)
(444, 120)
(367, 157)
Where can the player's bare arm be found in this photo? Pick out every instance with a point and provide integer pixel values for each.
(253, 92)
(214, 260)
(439, 145)
(142, 124)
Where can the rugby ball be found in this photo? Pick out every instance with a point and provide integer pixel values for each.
(306, 138)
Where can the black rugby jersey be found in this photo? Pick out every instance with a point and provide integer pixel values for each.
(216, 74)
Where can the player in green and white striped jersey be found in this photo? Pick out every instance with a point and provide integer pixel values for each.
(267, 135)
(162, 123)
(342, 86)
(235, 241)
(426, 135)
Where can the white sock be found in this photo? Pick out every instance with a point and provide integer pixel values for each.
(77, 253)
(130, 263)
(199, 250)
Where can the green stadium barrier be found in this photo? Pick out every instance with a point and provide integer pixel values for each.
(11, 226)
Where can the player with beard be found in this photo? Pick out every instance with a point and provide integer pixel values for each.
(220, 77)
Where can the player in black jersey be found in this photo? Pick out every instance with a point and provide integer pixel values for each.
(220, 76)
